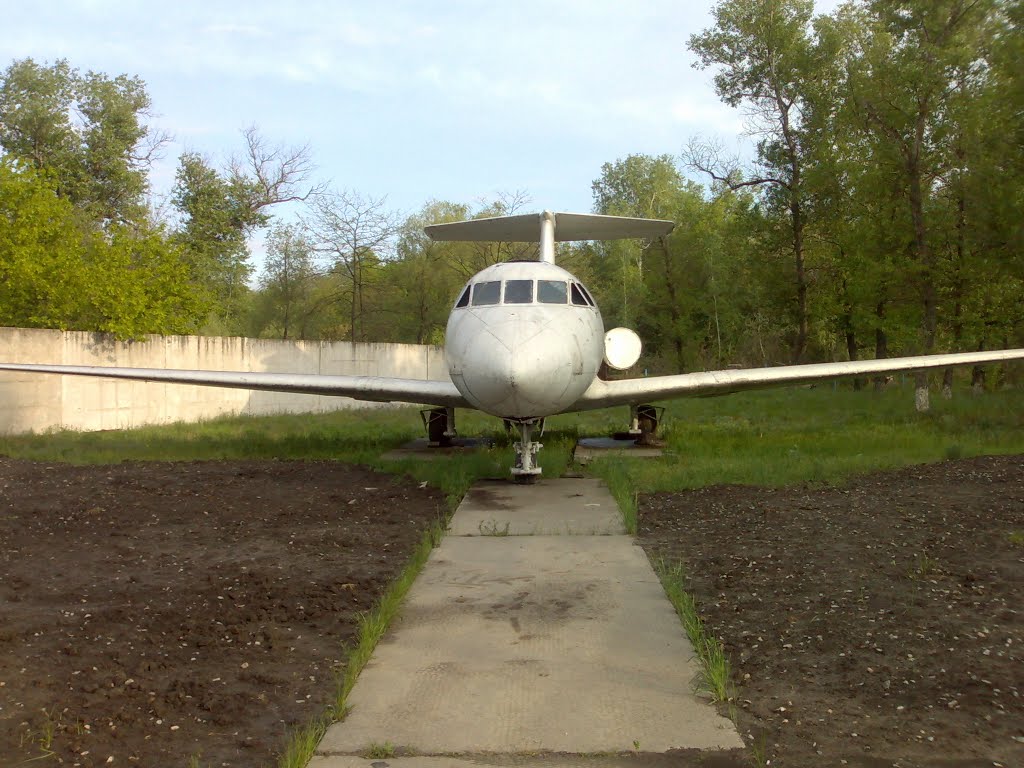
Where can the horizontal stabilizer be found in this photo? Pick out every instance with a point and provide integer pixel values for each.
(526, 228)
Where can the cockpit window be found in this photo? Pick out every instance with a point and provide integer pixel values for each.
(486, 293)
(551, 292)
(463, 299)
(586, 295)
(577, 296)
(518, 291)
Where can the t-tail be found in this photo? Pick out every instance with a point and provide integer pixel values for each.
(548, 228)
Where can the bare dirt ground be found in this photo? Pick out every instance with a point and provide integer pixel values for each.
(880, 623)
(151, 612)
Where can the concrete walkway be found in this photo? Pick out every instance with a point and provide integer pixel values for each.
(537, 626)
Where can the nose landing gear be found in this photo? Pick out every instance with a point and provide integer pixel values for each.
(526, 469)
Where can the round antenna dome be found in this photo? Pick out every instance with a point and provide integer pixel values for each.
(621, 348)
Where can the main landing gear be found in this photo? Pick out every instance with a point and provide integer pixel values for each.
(526, 469)
(643, 425)
(440, 425)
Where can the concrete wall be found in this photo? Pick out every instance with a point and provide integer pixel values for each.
(38, 402)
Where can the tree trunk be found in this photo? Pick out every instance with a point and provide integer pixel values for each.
(881, 344)
(924, 259)
(851, 338)
(800, 343)
(977, 380)
(978, 374)
(947, 384)
(673, 307)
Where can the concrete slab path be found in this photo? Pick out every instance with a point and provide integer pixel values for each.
(555, 642)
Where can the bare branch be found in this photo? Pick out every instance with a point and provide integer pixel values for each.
(707, 156)
(280, 173)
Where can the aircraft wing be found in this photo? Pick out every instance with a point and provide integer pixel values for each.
(602, 394)
(376, 388)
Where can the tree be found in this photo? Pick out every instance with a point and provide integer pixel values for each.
(643, 186)
(220, 210)
(40, 242)
(903, 87)
(354, 233)
(421, 283)
(55, 273)
(88, 131)
(287, 282)
(766, 63)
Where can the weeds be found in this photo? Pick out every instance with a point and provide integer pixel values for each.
(1016, 538)
(381, 751)
(716, 673)
(923, 567)
(43, 737)
(759, 750)
(492, 528)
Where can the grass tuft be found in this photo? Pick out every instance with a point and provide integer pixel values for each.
(923, 567)
(716, 672)
(492, 528)
(381, 751)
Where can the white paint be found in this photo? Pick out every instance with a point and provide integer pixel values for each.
(622, 348)
(524, 361)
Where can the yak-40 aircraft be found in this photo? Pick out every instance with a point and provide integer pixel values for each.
(525, 340)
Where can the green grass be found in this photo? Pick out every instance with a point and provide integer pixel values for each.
(716, 673)
(923, 567)
(821, 435)
(381, 751)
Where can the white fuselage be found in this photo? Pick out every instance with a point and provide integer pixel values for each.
(524, 340)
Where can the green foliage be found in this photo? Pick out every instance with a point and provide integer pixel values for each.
(60, 273)
(219, 212)
(86, 131)
(880, 214)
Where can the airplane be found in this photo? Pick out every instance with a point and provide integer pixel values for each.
(525, 340)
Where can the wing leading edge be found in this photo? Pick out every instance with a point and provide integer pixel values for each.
(602, 394)
(373, 388)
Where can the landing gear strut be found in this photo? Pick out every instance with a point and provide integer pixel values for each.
(526, 469)
(440, 425)
(643, 423)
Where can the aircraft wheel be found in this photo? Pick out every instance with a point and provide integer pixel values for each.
(647, 419)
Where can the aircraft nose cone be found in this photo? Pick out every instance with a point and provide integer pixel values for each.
(522, 369)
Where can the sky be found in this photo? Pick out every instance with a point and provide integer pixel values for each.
(458, 100)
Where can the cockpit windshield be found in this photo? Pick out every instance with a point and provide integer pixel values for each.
(524, 292)
(552, 292)
(518, 292)
(486, 293)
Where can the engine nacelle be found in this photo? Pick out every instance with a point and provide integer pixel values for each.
(621, 348)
